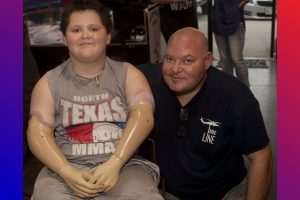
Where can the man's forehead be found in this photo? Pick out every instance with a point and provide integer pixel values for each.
(180, 55)
(184, 50)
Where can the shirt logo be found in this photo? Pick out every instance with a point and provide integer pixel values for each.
(181, 5)
(211, 133)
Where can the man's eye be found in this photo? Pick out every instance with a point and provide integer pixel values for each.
(168, 59)
(188, 61)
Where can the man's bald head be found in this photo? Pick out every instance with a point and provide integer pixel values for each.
(192, 35)
(186, 63)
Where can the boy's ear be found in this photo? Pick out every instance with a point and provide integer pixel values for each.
(108, 39)
(65, 41)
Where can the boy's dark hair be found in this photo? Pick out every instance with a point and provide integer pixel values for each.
(82, 5)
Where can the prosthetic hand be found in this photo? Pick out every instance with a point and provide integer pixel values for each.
(138, 127)
(78, 182)
(42, 144)
(107, 174)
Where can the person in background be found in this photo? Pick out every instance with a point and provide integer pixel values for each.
(176, 14)
(206, 121)
(88, 117)
(228, 24)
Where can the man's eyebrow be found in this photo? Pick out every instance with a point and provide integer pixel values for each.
(189, 56)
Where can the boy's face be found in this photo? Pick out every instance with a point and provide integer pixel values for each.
(86, 37)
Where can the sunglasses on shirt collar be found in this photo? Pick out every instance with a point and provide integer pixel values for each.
(184, 114)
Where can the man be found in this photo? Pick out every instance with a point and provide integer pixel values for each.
(205, 121)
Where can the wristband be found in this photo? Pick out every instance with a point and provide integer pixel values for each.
(118, 157)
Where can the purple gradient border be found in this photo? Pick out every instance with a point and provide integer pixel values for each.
(288, 100)
(11, 99)
(288, 73)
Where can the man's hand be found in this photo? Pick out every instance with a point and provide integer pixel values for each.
(78, 182)
(107, 174)
(243, 3)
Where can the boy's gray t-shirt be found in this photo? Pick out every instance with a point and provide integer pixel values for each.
(89, 118)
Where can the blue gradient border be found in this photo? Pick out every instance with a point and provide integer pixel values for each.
(11, 99)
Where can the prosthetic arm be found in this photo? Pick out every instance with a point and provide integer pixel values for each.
(138, 127)
(42, 143)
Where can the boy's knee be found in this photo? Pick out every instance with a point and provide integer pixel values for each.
(48, 189)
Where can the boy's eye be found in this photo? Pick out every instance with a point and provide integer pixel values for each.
(76, 30)
(93, 29)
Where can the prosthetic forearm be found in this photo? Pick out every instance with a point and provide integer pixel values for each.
(42, 145)
(138, 127)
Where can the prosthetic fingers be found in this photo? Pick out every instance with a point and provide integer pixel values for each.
(138, 127)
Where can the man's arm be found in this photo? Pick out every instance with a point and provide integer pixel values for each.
(243, 3)
(260, 174)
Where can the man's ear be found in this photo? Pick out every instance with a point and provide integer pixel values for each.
(208, 60)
